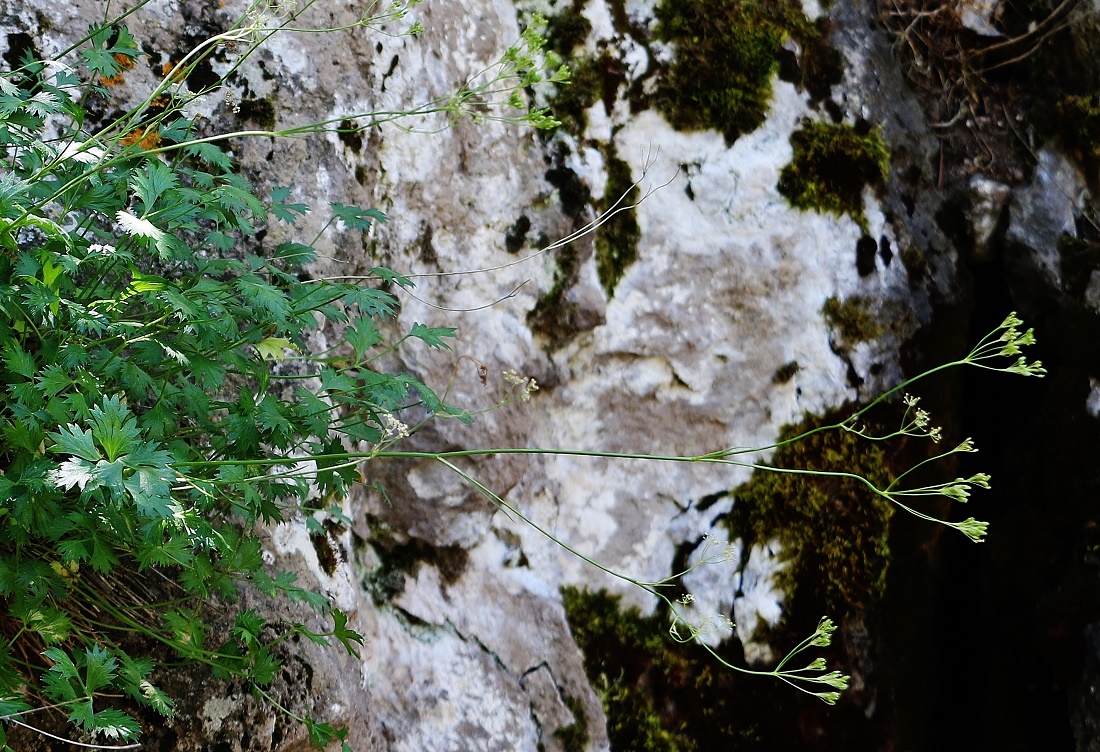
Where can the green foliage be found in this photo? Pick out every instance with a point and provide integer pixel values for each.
(160, 398)
(831, 166)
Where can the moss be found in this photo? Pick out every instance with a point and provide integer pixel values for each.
(634, 667)
(617, 239)
(259, 111)
(574, 737)
(632, 724)
(725, 58)
(659, 695)
(852, 320)
(833, 529)
(832, 164)
(915, 263)
(785, 372)
(565, 32)
(1079, 124)
(726, 53)
(552, 316)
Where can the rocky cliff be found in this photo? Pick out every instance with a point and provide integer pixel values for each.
(721, 305)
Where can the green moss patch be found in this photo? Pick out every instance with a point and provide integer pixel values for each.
(725, 59)
(636, 669)
(832, 164)
(726, 54)
(833, 529)
(852, 319)
(617, 239)
(574, 737)
(661, 696)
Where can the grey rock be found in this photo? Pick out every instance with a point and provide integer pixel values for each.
(1039, 214)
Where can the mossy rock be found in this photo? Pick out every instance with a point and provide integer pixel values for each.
(831, 166)
(852, 320)
(833, 529)
(726, 54)
(617, 238)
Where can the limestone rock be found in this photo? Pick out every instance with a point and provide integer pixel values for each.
(467, 646)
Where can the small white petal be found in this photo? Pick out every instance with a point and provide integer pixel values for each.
(143, 228)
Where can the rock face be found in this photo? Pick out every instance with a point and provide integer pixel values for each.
(468, 646)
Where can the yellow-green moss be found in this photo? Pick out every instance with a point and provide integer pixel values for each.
(852, 319)
(617, 238)
(1079, 124)
(832, 164)
(725, 59)
(630, 661)
(574, 737)
(833, 530)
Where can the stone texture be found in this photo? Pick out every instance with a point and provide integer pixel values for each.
(467, 646)
(1039, 214)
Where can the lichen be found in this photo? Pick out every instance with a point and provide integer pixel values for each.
(831, 166)
(617, 238)
(852, 319)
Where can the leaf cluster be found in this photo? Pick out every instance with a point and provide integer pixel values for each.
(160, 401)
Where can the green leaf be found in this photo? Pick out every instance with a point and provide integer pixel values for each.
(264, 667)
(343, 634)
(100, 58)
(61, 681)
(294, 254)
(53, 380)
(19, 361)
(76, 473)
(356, 218)
(210, 154)
(99, 668)
(362, 335)
(72, 440)
(247, 627)
(114, 724)
(321, 734)
(152, 182)
(114, 428)
(391, 277)
(272, 348)
(285, 211)
(263, 296)
(432, 335)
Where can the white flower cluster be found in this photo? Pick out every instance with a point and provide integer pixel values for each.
(395, 429)
(521, 384)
